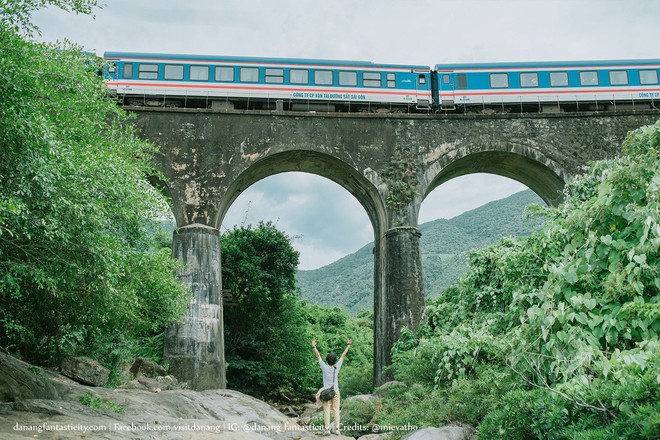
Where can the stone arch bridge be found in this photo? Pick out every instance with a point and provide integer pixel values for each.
(388, 162)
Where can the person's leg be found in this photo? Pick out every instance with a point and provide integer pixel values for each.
(326, 413)
(335, 407)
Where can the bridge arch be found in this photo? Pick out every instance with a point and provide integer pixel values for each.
(366, 193)
(541, 174)
(312, 162)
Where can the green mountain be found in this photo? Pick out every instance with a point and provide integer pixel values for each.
(348, 282)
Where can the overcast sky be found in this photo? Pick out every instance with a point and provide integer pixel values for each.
(326, 221)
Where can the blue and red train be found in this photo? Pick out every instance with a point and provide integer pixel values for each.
(355, 86)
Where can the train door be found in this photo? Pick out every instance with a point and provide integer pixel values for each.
(423, 90)
(447, 90)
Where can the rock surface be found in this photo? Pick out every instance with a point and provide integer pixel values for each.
(446, 433)
(38, 403)
(19, 380)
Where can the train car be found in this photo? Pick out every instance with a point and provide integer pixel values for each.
(547, 86)
(266, 83)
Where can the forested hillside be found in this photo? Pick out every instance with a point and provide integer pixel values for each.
(348, 282)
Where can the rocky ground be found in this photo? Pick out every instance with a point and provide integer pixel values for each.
(37, 403)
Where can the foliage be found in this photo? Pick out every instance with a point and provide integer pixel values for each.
(357, 416)
(415, 405)
(567, 319)
(94, 401)
(15, 15)
(349, 282)
(259, 265)
(268, 354)
(79, 272)
(401, 179)
(332, 327)
(533, 414)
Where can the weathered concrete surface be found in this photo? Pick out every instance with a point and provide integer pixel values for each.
(389, 163)
(402, 300)
(210, 157)
(194, 348)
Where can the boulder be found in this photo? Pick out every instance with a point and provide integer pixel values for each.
(289, 411)
(146, 367)
(154, 385)
(445, 433)
(85, 370)
(19, 380)
(389, 387)
(309, 409)
(169, 383)
(365, 399)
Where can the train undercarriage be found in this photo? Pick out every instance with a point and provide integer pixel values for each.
(229, 104)
(269, 105)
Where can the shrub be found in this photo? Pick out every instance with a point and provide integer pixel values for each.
(534, 414)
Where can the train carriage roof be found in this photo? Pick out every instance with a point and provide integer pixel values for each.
(603, 64)
(182, 58)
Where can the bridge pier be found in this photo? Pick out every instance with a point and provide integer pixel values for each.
(194, 348)
(401, 302)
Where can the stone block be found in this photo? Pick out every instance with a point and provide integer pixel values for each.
(85, 371)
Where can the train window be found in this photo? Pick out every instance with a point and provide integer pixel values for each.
(199, 73)
(648, 77)
(446, 79)
(127, 71)
(371, 79)
(323, 77)
(391, 80)
(421, 80)
(499, 80)
(225, 74)
(461, 81)
(348, 78)
(173, 71)
(148, 71)
(589, 78)
(618, 77)
(298, 76)
(558, 79)
(275, 76)
(249, 74)
(529, 79)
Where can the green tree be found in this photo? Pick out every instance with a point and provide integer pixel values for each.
(79, 272)
(266, 334)
(16, 15)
